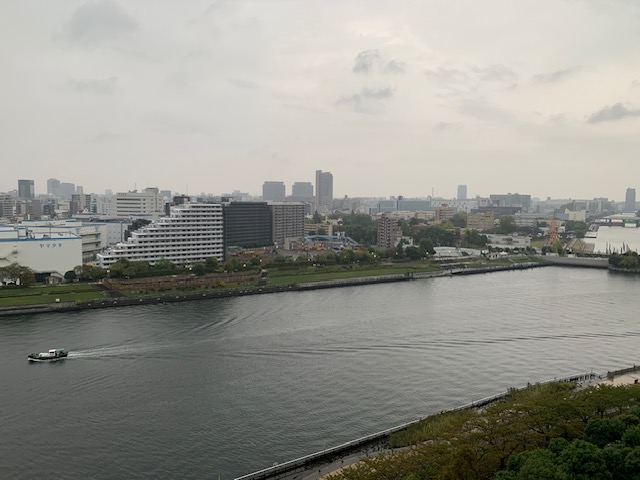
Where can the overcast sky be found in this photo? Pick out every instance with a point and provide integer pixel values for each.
(393, 98)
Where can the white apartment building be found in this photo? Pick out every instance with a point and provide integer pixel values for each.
(190, 234)
(132, 204)
(45, 253)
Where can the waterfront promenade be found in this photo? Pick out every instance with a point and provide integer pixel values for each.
(320, 465)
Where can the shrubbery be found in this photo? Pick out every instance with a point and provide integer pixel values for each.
(552, 431)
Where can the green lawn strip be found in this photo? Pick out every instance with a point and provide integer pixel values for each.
(46, 290)
(292, 279)
(46, 299)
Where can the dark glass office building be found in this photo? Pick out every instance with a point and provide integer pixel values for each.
(246, 224)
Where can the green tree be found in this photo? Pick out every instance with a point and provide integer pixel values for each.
(426, 247)
(70, 276)
(212, 263)
(507, 225)
(359, 226)
(603, 431)
(459, 220)
(413, 253)
(473, 238)
(18, 274)
(199, 269)
(558, 247)
(579, 228)
(164, 265)
(26, 276)
(584, 461)
(438, 235)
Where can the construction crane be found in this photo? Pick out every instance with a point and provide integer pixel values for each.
(554, 225)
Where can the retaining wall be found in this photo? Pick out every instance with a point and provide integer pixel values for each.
(325, 456)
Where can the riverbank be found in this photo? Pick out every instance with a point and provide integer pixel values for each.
(331, 461)
(126, 301)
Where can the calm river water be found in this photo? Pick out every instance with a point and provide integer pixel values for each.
(226, 387)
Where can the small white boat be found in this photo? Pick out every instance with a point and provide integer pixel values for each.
(51, 356)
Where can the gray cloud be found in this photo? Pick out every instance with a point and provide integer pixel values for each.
(555, 76)
(95, 22)
(109, 137)
(558, 118)
(496, 73)
(394, 66)
(246, 84)
(361, 101)
(364, 61)
(611, 113)
(486, 112)
(447, 75)
(377, 93)
(447, 126)
(98, 87)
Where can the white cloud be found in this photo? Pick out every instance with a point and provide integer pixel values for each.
(227, 82)
(105, 86)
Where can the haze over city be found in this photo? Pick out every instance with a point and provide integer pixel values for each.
(392, 98)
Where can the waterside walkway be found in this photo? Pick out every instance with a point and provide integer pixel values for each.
(317, 465)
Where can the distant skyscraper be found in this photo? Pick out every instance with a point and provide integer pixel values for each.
(66, 190)
(273, 191)
(324, 190)
(302, 189)
(630, 200)
(53, 187)
(26, 189)
(462, 192)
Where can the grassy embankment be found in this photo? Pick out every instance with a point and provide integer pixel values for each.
(45, 294)
(81, 292)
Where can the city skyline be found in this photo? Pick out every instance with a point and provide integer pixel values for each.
(288, 189)
(393, 99)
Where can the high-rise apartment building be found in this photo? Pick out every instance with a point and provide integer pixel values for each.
(287, 221)
(273, 191)
(26, 189)
(324, 190)
(462, 192)
(191, 233)
(630, 200)
(389, 231)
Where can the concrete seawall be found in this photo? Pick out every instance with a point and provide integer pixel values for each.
(584, 262)
(224, 293)
(377, 441)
